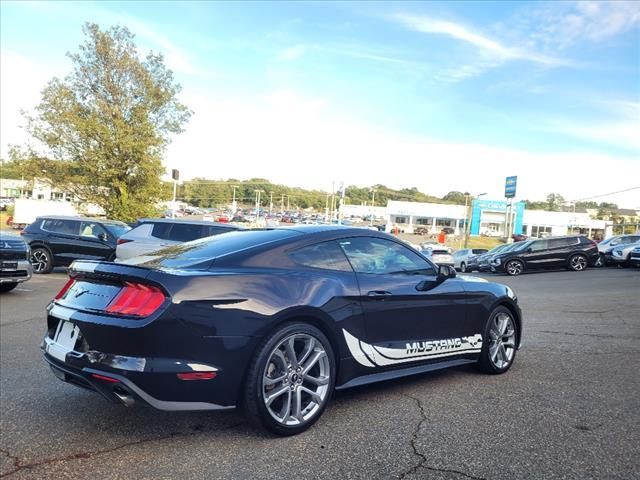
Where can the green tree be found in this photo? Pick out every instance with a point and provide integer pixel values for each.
(555, 201)
(455, 197)
(106, 125)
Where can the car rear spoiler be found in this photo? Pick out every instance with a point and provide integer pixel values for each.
(107, 271)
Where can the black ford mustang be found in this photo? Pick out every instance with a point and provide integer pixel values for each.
(273, 320)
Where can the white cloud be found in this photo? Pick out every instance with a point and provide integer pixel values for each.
(307, 142)
(489, 47)
(617, 134)
(559, 25)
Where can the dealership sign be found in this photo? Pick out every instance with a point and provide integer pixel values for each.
(510, 187)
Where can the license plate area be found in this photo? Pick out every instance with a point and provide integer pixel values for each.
(9, 266)
(65, 339)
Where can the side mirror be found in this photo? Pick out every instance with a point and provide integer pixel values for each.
(446, 271)
(102, 236)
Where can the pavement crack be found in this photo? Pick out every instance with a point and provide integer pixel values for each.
(19, 466)
(414, 437)
(421, 456)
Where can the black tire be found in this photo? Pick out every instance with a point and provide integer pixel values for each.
(463, 267)
(254, 402)
(578, 262)
(514, 268)
(600, 262)
(485, 362)
(7, 287)
(41, 260)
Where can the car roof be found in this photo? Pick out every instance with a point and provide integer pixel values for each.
(80, 219)
(556, 237)
(186, 221)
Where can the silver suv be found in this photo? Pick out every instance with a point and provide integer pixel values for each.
(153, 234)
(15, 267)
(461, 257)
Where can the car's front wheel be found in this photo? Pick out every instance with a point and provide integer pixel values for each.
(290, 379)
(7, 287)
(514, 267)
(463, 267)
(41, 260)
(499, 342)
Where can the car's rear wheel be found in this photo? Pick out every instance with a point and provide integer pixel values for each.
(578, 262)
(463, 267)
(7, 287)
(290, 379)
(41, 260)
(514, 267)
(499, 344)
(600, 261)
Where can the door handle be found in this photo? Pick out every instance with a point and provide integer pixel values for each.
(379, 293)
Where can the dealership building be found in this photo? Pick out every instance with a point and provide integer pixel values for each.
(489, 217)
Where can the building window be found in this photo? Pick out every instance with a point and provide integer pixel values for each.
(540, 231)
(402, 220)
(423, 221)
(56, 195)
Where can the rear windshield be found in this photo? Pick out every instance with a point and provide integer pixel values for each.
(116, 230)
(200, 253)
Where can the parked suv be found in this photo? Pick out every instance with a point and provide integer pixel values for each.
(57, 241)
(606, 247)
(152, 234)
(573, 252)
(461, 258)
(14, 261)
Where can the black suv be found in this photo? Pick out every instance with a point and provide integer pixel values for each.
(573, 252)
(58, 241)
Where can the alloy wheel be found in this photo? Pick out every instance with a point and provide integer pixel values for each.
(502, 340)
(39, 261)
(463, 267)
(578, 263)
(514, 268)
(295, 381)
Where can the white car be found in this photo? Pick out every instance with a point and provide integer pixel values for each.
(153, 234)
(438, 254)
(461, 257)
(622, 253)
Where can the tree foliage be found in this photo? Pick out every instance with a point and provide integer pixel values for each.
(106, 125)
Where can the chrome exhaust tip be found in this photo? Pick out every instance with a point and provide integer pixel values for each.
(125, 397)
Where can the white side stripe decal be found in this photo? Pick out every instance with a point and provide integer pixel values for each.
(374, 356)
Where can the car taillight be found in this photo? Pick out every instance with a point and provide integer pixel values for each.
(137, 300)
(196, 375)
(66, 287)
(120, 241)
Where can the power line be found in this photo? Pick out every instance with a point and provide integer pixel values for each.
(606, 194)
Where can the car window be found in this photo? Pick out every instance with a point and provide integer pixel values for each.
(539, 245)
(161, 230)
(380, 256)
(209, 231)
(91, 229)
(65, 227)
(479, 251)
(116, 230)
(326, 255)
(185, 232)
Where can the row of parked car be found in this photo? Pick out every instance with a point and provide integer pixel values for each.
(575, 252)
(57, 241)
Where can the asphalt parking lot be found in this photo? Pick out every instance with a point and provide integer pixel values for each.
(569, 408)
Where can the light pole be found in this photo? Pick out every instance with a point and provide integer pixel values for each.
(270, 203)
(373, 204)
(234, 206)
(467, 220)
(258, 192)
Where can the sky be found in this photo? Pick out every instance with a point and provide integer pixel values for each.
(438, 95)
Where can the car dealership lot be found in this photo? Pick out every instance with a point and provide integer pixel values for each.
(567, 409)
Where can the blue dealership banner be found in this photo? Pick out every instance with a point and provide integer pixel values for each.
(510, 187)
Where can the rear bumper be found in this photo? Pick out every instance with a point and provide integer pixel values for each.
(94, 371)
(20, 274)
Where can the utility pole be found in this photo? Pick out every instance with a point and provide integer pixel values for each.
(288, 204)
(282, 204)
(467, 229)
(258, 192)
(326, 210)
(270, 203)
(234, 206)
